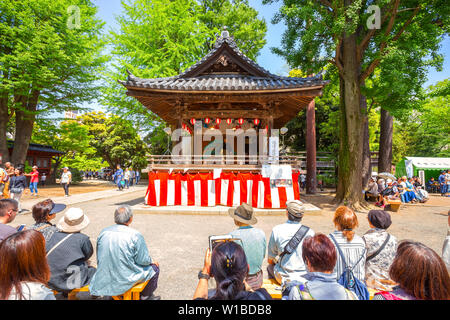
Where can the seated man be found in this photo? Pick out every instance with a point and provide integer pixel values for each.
(431, 185)
(123, 260)
(290, 266)
(253, 242)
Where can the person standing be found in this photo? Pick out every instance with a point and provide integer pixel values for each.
(289, 266)
(442, 183)
(4, 184)
(123, 260)
(34, 174)
(118, 177)
(8, 212)
(127, 177)
(43, 179)
(253, 242)
(447, 181)
(66, 179)
(138, 176)
(17, 185)
(133, 176)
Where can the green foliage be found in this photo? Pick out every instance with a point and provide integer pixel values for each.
(115, 140)
(162, 38)
(426, 133)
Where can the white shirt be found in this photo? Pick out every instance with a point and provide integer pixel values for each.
(66, 177)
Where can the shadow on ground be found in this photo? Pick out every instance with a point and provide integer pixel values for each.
(131, 202)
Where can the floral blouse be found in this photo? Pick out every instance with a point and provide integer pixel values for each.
(377, 269)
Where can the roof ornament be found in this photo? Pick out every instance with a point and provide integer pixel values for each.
(225, 33)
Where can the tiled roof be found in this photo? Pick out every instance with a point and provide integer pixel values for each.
(261, 79)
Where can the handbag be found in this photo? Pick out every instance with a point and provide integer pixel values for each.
(16, 190)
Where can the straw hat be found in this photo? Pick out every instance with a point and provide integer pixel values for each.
(243, 213)
(74, 220)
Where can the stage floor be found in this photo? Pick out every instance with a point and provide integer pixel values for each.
(217, 210)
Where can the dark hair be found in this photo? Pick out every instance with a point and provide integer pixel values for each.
(20, 170)
(23, 259)
(229, 268)
(291, 217)
(41, 210)
(320, 252)
(420, 271)
(346, 220)
(6, 204)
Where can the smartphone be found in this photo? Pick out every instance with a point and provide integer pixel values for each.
(215, 240)
(21, 227)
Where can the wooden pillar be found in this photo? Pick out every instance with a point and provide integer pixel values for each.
(311, 181)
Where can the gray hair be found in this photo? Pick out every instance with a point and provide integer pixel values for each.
(123, 214)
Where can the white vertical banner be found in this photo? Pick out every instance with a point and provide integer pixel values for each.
(184, 197)
(170, 192)
(157, 191)
(211, 193)
(274, 149)
(197, 193)
(237, 193)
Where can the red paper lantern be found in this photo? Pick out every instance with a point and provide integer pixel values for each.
(193, 121)
(256, 121)
(229, 121)
(241, 121)
(207, 120)
(218, 120)
(183, 126)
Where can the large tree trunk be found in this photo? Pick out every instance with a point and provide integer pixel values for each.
(385, 150)
(350, 154)
(366, 164)
(24, 128)
(4, 118)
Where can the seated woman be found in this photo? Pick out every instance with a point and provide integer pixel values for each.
(43, 212)
(320, 258)
(408, 192)
(228, 265)
(372, 189)
(68, 252)
(24, 272)
(390, 193)
(381, 248)
(420, 273)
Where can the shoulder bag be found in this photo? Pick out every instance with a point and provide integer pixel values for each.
(373, 255)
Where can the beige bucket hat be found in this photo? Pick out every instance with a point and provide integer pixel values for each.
(74, 220)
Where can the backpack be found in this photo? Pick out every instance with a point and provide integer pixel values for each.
(347, 278)
(305, 294)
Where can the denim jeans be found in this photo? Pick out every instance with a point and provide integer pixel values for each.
(33, 187)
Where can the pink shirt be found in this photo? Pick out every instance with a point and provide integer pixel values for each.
(34, 176)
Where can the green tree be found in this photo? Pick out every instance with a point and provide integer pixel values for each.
(162, 38)
(320, 32)
(70, 137)
(49, 61)
(115, 140)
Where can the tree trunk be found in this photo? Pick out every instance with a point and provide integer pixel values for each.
(350, 154)
(366, 164)
(385, 150)
(4, 118)
(24, 128)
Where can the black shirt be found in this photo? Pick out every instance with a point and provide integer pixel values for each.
(260, 294)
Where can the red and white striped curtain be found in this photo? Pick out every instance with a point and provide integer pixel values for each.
(201, 189)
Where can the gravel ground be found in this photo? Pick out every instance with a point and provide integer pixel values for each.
(178, 242)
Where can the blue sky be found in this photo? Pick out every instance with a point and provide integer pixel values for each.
(108, 9)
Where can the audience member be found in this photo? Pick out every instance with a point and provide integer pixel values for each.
(42, 213)
(446, 247)
(351, 245)
(442, 183)
(228, 265)
(118, 178)
(389, 193)
(123, 260)
(253, 242)
(372, 190)
(127, 177)
(17, 185)
(420, 274)
(319, 255)
(25, 271)
(290, 265)
(4, 182)
(8, 212)
(68, 252)
(381, 248)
